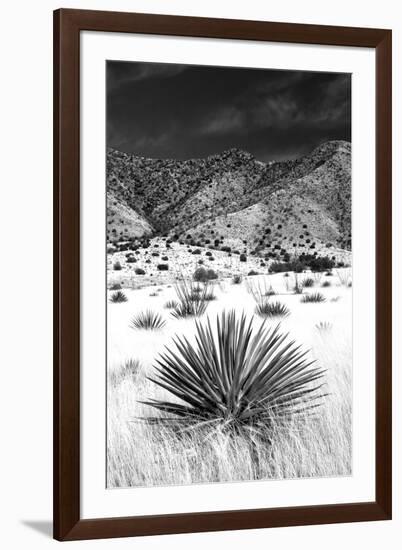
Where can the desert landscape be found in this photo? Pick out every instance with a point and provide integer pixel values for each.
(229, 312)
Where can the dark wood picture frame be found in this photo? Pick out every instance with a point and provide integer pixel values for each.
(67, 26)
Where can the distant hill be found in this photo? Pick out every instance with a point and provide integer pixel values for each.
(234, 201)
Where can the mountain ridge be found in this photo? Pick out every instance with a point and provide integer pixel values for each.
(208, 200)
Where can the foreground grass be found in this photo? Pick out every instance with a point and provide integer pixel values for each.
(140, 454)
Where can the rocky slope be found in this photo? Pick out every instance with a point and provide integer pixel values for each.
(233, 202)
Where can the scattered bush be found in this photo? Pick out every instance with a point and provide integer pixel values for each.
(308, 282)
(326, 284)
(203, 275)
(139, 271)
(115, 286)
(243, 258)
(117, 266)
(196, 251)
(163, 267)
(148, 320)
(272, 309)
(315, 297)
(118, 297)
(252, 272)
(131, 260)
(237, 279)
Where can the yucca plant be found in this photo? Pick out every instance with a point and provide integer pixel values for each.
(344, 276)
(148, 320)
(118, 297)
(323, 326)
(315, 297)
(235, 376)
(308, 282)
(272, 309)
(298, 288)
(192, 302)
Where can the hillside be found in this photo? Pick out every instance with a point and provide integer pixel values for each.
(234, 202)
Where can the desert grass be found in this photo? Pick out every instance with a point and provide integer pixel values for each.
(344, 276)
(272, 309)
(319, 445)
(313, 298)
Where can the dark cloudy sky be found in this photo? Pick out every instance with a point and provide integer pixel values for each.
(186, 111)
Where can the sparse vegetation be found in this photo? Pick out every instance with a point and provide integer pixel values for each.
(314, 298)
(323, 326)
(308, 282)
(203, 275)
(118, 297)
(148, 320)
(272, 309)
(191, 303)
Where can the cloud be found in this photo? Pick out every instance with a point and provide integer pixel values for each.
(184, 111)
(228, 119)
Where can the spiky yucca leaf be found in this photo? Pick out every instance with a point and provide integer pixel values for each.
(148, 320)
(235, 375)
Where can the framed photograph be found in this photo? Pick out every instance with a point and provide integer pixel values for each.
(222, 274)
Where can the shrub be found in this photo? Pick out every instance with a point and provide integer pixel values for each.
(118, 297)
(220, 378)
(308, 282)
(315, 297)
(139, 271)
(163, 267)
(196, 251)
(203, 275)
(252, 272)
(281, 267)
(243, 258)
(208, 253)
(272, 309)
(131, 260)
(237, 279)
(326, 284)
(117, 266)
(165, 258)
(148, 320)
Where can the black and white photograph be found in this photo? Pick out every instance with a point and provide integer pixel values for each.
(229, 274)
